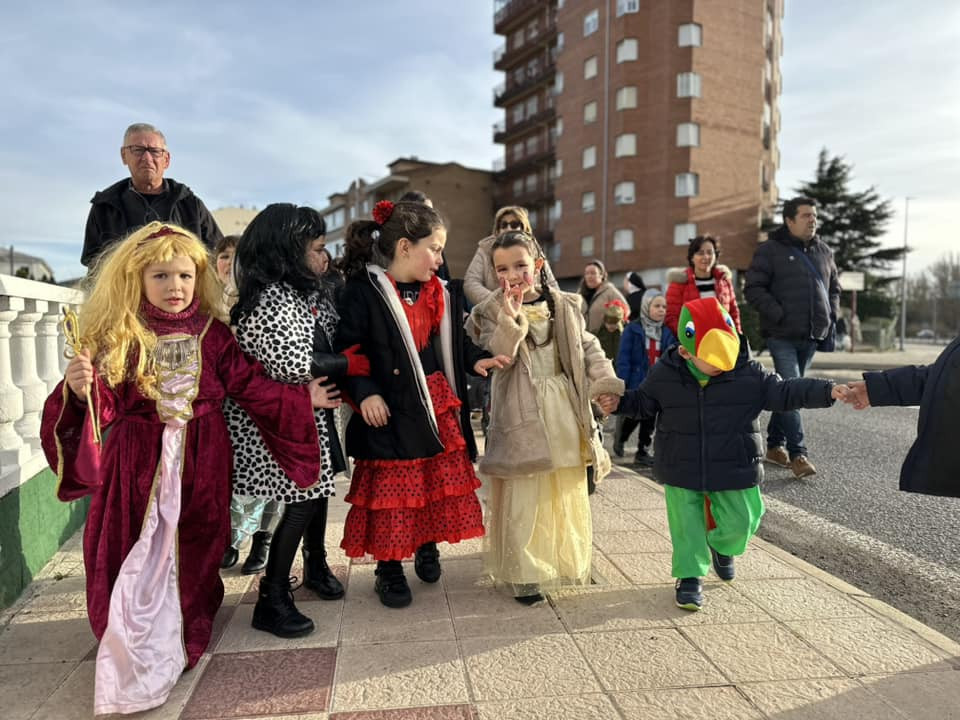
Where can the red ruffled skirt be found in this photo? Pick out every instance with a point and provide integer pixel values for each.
(398, 505)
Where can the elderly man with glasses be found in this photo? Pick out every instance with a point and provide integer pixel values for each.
(144, 197)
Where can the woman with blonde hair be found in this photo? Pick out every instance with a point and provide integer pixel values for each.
(481, 279)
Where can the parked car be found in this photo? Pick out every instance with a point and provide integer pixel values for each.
(926, 334)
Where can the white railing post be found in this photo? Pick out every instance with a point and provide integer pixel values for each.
(23, 347)
(48, 347)
(12, 450)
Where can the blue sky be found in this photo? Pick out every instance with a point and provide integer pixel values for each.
(291, 101)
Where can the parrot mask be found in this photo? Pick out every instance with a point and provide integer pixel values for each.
(707, 332)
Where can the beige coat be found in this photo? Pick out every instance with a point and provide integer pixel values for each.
(593, 313)
(481, 279)
(516, 438)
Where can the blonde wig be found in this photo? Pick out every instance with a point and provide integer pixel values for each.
(518, 212)
(111, 325)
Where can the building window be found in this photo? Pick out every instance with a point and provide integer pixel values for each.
(688, 135)
(559, 41)
(335, 219)
(558, 83)
(519, 75)
(588, 202)
(533, 145)
(558, 168)
(688, 85)
(590, 112)
(533, 106)
(627, 6)
(555, 248)
(517, 38)
(690, 35)
(687, 185)
(591, 21)
(589, 157)
(558, 126)
(590, 67)
(555, 211)
(586, 246)
(516, 151)
(533, 68)
(683, 233)
(533, 29)
(517, 112)
(534, 218)
(531, 183)
(625, 145)
(628, 49)
(626, 98)
(518, 186)
(366, 206)
(623, 239)
(625, 193)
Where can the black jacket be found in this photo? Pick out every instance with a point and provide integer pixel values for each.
(786, 292)
(119, 210)
(932, 465)
(366, 319)
(708, 438)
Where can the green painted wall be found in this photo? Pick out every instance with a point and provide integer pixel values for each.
(33, 526)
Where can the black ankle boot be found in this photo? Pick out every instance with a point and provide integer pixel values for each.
(318, 577)
(426, 562)
(391, 584)
(257, 558)
(230, 557)
(275, 612)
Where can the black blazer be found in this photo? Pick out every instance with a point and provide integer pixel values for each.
(708, 438)
(932, 465)
(366, 319)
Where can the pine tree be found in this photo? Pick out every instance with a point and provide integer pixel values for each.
(851, 222)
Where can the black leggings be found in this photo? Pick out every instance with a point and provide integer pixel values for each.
(644, 436)
(306, 520)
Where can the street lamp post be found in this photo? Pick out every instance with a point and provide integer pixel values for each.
(903, 280)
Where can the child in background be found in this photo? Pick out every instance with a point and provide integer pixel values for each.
(709, 395)
(611, 331)
(155, 367)
(643, 341)
(413, 483)
(542, 435)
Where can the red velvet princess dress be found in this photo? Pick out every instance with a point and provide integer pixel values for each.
(159, 518)
(400, 504)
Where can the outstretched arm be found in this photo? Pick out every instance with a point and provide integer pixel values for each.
(797, 393)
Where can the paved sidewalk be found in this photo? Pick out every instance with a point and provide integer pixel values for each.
(784, 641)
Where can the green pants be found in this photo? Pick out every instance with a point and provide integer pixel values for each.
(737, 515)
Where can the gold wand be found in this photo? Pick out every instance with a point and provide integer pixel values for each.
(71, 331)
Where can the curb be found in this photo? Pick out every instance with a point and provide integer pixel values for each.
(877, 607)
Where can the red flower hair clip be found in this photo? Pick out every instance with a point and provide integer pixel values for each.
(382, 211)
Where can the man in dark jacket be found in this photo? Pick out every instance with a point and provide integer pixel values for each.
(932, 465)
(144, 197)
(792, 282)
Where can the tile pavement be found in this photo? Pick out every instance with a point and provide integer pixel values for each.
(785, 641)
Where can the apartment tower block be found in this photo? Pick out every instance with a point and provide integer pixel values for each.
(633, 125)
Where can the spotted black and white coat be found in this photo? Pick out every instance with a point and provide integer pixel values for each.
(279, 332)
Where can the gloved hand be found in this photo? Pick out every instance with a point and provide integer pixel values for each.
(358, 364)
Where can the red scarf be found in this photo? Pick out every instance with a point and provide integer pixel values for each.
(426, 314)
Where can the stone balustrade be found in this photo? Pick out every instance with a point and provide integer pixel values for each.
(31, 365)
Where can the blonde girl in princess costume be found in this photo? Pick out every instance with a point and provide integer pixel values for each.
(154, 368)
(541, 437)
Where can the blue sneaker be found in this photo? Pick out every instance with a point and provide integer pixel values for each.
(689, 593)
(723, 566)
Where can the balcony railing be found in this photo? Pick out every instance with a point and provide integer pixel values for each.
(510, 11)
(501, 132)
(499, 53)
(511, 88)
(31, 365)
(511, 56)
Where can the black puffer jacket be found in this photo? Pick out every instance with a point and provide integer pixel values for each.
(784, 289)
(366, 320)
(708, 438)
(119, 210)
(933, 465)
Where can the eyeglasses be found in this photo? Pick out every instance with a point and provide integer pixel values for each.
(511, 224)
(139, 150)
